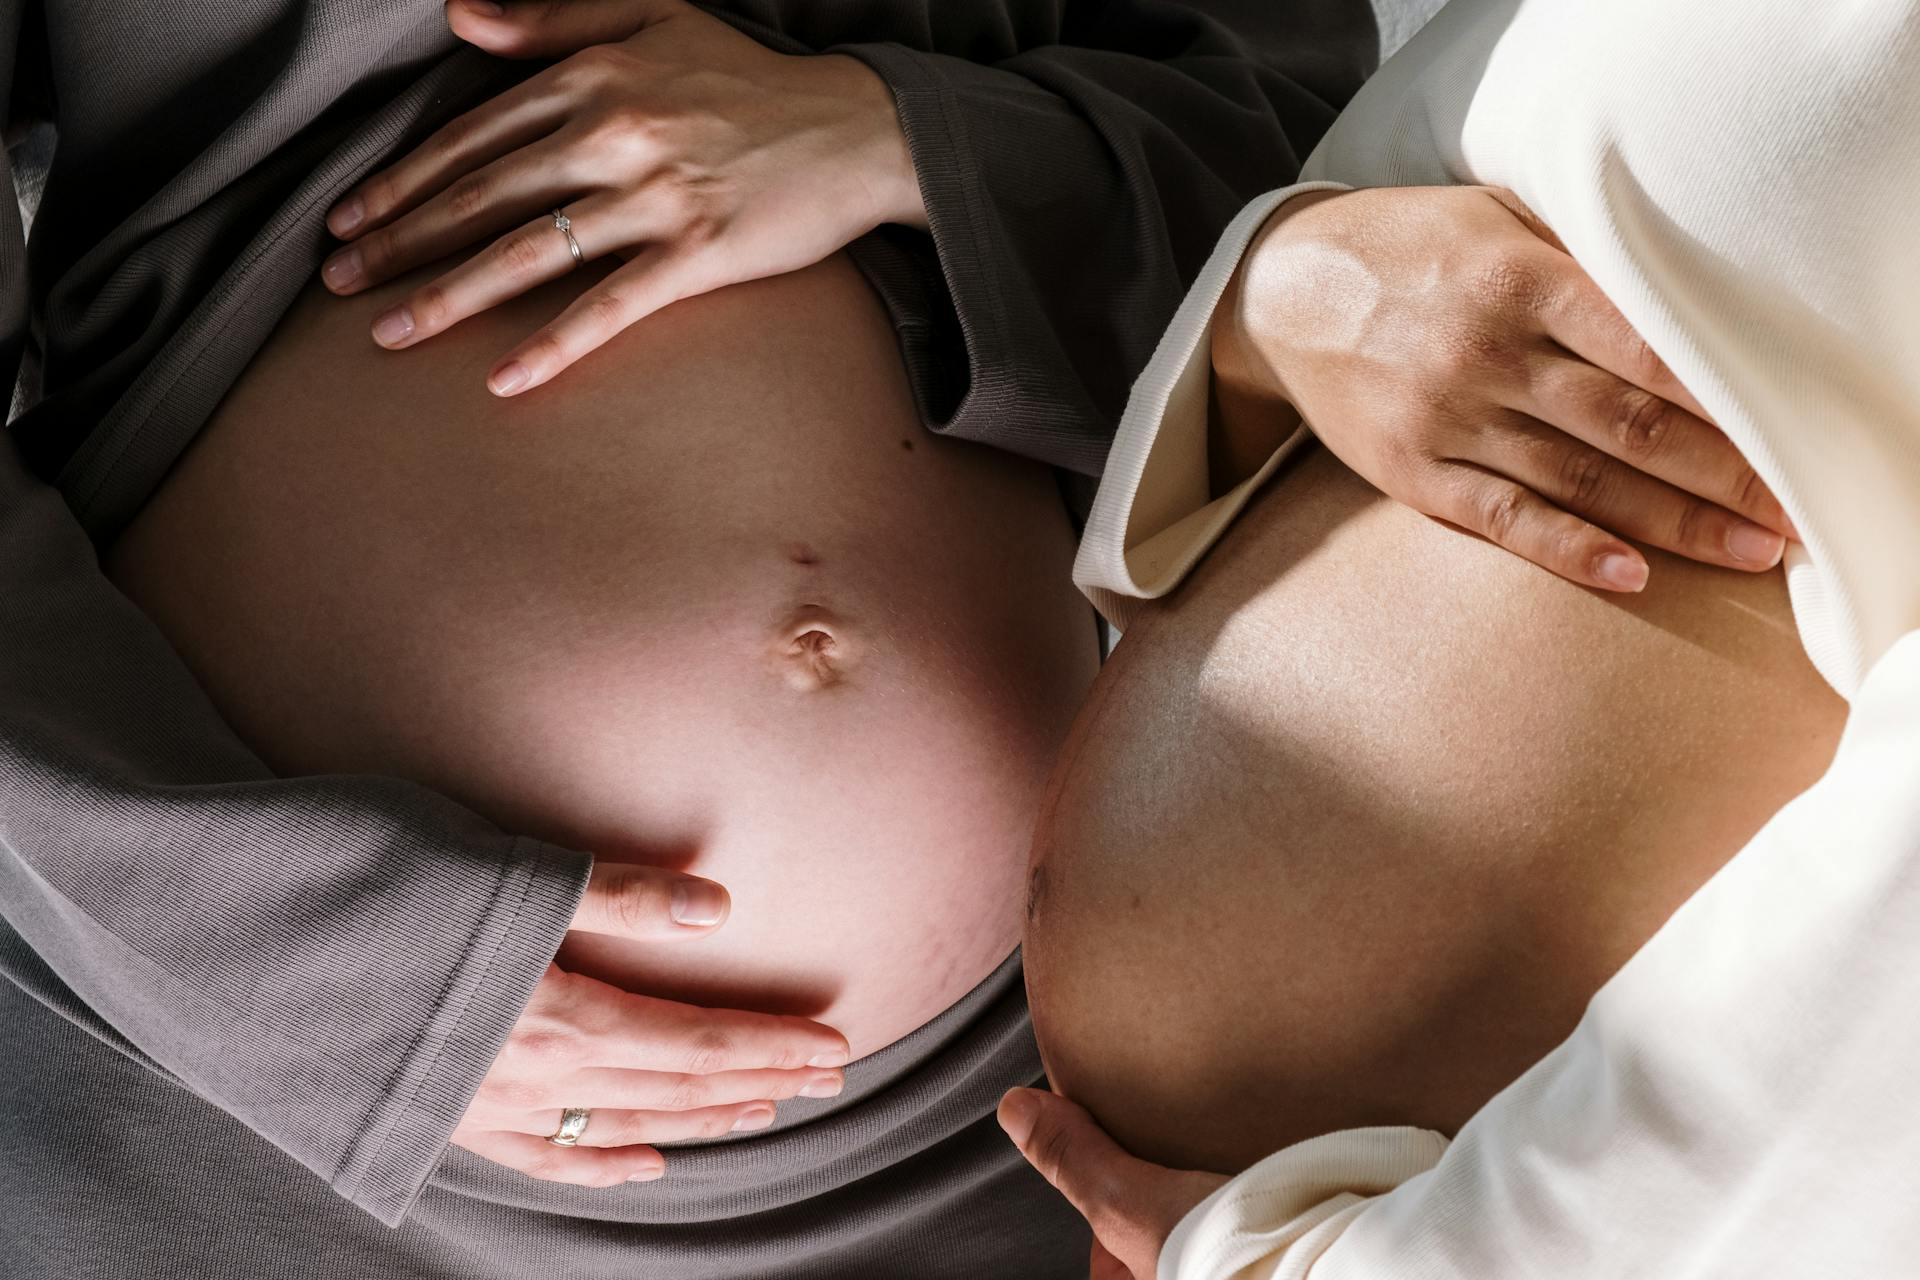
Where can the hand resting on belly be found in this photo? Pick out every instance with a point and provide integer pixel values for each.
(1356, 821)
(713, 601)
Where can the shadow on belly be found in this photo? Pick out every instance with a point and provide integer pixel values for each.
(1353, 826)
(710, 599)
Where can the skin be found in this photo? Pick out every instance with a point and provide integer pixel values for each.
(1444, 345)
(709, 607)
(697, 155)
(1354, 824)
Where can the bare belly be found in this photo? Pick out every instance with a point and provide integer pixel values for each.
(1355, 823)
(712, 599)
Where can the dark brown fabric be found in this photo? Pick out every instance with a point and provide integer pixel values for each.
(330, 964)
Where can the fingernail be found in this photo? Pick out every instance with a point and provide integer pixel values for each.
(346, 215)
(486, 8)
(1621, 572)
(1019, 1110)
(645, 1175)
(758, 1118)
(393, 326)
(825, 1087)
(1754, 544)
(697, 902)
(508, 378)
(831, 1058)
(342, 269)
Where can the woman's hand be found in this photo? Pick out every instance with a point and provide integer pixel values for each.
(1131, 1205)
(669, 138)
(1444, 345)
(651, 1070)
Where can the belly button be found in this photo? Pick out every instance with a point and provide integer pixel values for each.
(811, 649)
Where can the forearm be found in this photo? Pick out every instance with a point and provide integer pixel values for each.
(333, 960)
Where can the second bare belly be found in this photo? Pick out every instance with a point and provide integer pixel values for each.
(1355, 823)
(712, 599)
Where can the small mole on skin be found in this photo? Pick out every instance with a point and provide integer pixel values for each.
(907, 445)
(801, 553)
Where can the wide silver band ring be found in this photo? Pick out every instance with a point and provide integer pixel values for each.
(573, 1123)
(565, 225)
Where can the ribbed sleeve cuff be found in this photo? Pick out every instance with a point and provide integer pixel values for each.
(1283, 1212)
(540, 888)
(937, 141)
(1152, 518)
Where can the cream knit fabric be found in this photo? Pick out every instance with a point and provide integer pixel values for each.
(1743, 180)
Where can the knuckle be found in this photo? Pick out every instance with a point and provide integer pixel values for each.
(545, 350)
(1505, 282)
(378, 193)
(634, 904)
(1749, 493)
(1053, 1149)
(1639, 361)
(687, 1093)
(605, 309)
(453, 137)
(519, 1095)
(1640, 422)
(1583, 477)
(379, 251)
(1690, 525)
(1501, 512)
(711, 1051)
(469, 196)
(519, 256)
(430, 306)
(548, 1045)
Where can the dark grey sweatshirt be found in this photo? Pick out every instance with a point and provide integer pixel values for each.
(335, 961)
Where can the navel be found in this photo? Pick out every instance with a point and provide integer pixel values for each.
(812, 648)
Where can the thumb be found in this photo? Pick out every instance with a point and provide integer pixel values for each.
(551, 28)
(633, 900)
(1117, 1193)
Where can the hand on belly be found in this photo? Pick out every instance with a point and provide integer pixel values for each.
(1355, 823)
(714, 601)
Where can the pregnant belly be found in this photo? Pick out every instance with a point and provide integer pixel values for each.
(1357, 821)
(712, 600)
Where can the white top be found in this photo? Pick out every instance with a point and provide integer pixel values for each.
(1743, 180)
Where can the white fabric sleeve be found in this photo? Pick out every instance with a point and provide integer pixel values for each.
(1741, 182)
(1152, 518)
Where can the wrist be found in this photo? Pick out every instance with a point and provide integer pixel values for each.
(1256, 310)
(878, 144)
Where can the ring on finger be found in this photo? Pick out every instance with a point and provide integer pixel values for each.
(573, 1123)
(564, 225)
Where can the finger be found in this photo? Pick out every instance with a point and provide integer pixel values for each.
(651, 1034)
(1650, 434)
(542, 29)
(530, 255)
(656, 277)
(1098, 1177)
(1615, 496)
(1102, 1265)
(633, 900)
(514, 118)
(582, 1165)
(1512, 516)
(1581, 318)
(613, 1127)
(530, 182)
(643, 1090)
